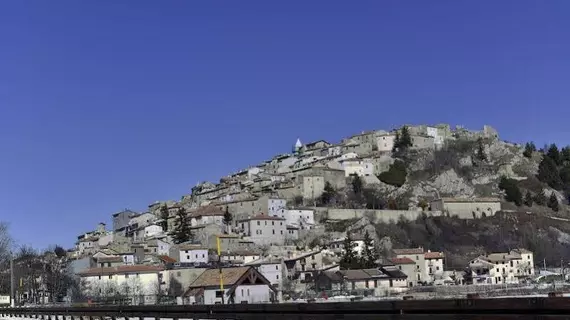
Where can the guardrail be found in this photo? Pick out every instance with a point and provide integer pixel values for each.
(511, 308)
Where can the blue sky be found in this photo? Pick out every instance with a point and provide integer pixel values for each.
(112, 104)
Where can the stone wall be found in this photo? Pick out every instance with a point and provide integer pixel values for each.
(385, 216)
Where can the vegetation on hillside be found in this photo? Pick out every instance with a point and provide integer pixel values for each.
(462, 240)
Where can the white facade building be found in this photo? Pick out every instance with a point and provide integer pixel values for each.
(241, 285)
(152, 230)
(301, 218)
(357, 167)
(193, 254)
(503, 268)
(385, 142)
(276, 207)
(134, 281)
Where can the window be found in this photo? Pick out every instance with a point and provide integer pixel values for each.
(276, 267)
(196, 256)
(110, 276)
(99, 277)
(188, 257)
(248, 292)
(281, 231)
(272, 223)
(203, 255)
(276, 277)
(126, 276)
(258, 223)
(273, 231)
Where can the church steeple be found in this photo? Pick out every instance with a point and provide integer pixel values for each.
(298, 145)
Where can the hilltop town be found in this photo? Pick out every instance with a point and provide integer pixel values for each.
(418, 206)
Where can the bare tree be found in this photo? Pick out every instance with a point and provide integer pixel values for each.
(5, 256)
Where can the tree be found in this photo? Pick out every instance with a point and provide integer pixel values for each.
(328, 193)
(164, 217)
(565, 155)
(481, 155)
(357, 185)
(529, 149)
(349, 260)
(553, 202)
(403, 140)
(540, 198)
(182, 232)
(228, 218)
(512, 191)
(548, 173)
(423, 204)
(528, 199)
(396, 175)
(369, 255)
(554, 154)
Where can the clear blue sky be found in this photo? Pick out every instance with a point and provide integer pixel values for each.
(106, 105)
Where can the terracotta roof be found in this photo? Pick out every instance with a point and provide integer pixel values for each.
(402, 261)
(206, 211)
(166, 259)
(409, 251)
(433, 255)
(211, 277)
(120, 270)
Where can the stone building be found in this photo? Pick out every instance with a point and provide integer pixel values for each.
(263, 229)
(467, 208)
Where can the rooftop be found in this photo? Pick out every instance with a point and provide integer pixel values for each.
(409, 251)
(398, 261)
(120, 270)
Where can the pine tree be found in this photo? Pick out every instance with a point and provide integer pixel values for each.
(357, 185)
(369, 255)
(512, 191)
(553, 202)
(528, 199)
(228, 218)
(182, 232)
(548, 173)
(481, 150)
(405, 138)
(540, 198)
(328, 193)
(164, 217)
(565, 155)
(396, 142)
(349, 260)
(529, 149)
(554, 154)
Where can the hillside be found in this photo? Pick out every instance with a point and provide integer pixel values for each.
(406, 169)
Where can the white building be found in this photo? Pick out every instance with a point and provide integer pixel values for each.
(433, 265)
(302, 218)
(276, 207)
(132, 281)
(264, 229)
(386, 142)
(502, 268)
(241, 285)
(271, 268)
(193, 254)
(152, 230)
(239, 257)
(357, 166)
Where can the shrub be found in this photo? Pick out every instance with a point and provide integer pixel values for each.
(396, 175)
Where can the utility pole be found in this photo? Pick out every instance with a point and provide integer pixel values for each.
(220, 267)
(12, 284)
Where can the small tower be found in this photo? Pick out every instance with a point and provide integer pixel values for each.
(298, 146)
